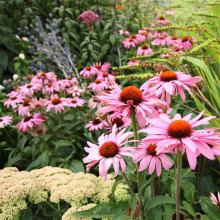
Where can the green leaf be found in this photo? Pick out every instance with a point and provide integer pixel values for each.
(189, 208)
(27, 215)
(159, 200)
(63, 143)
(76, 166)
(104, 50)
(3, 59)
(104, 210)
(112, 39)
(210, 209)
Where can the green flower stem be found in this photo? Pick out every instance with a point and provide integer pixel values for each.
(128, 182)
(48, 147)
(179, 167)
(138, 173)
(11, 140)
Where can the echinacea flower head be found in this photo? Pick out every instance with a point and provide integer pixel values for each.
(147, 154)
(215, 200)
(74, 102)
(88, 72)
(170, 133)
(168, 83)
(162, 20)
(144, 50)
(30, 122)
(98, 85)
(96, 124)
(5, 120)
(55, 103)
(187, 42)
(130, 42)
(123, 101)
(133, 62)
(121, 32)
(37, 131)
(162, 40)
(108, 152)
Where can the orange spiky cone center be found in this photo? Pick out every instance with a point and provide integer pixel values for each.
(109, 149)
(131, 93)
(168, 76)
(179, 129)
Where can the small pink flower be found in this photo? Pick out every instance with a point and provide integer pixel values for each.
(215, 200)
(98, 85)
(75, 91)
(123, 101)
(106, 77)
(94, 102)
(168, 83)
(169, 133)
(144, 50)
(30, 89)
(5, 120)
(121, 32)
(14, 100)
(108, 152)
(44, 78)
(146, 153)
(30, 122)
(141, 36)
(74, 102)
(37, 131)
(24, 108)
(89, 17)
(172, 40)
(187, 42)
(161, 41)
(133, 62)
(161, 20)
(131, 41)
(119, 120)
(38, 104)
(171, 12)
(96, 124)
(88, 72)
(101, 67)
(56, 103)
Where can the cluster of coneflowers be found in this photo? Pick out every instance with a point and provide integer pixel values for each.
(164, 135)
(43, 92)
(144, 38)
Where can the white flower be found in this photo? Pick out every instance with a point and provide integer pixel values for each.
(21, 55)
(15, 76)
(17, 37)
(25, 39)
(1, 87)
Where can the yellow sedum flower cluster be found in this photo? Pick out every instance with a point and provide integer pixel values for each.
(81, 191)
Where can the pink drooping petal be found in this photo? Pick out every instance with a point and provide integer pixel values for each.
(158, 166)
(189, 143)
(191, 158)
(122, 164)
(144, 163)
(205, 150)
(152, 165)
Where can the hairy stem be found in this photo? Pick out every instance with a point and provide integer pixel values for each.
(138, 173)
(128, 182)
(179, 167)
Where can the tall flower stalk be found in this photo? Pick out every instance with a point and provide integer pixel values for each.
(136, 145)
(179, 167)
